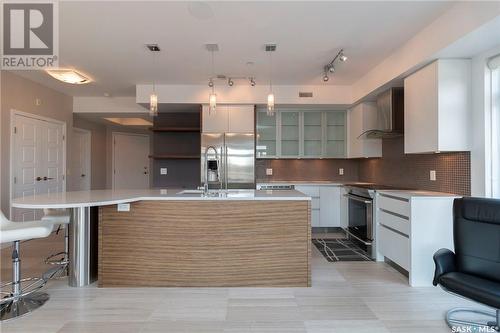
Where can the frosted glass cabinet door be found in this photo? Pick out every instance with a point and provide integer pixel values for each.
(312, 134)
(335, 134)
(290, 136)
(266, 135)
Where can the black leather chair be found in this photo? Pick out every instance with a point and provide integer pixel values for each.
(473, 271)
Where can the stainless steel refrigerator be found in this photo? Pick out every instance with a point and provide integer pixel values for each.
(233, 166)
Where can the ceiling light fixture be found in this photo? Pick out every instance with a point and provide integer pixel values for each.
(212, 97)
(153, 97)
(330, 67)
(69, 76)
(230, 82)
(252, 82)
(270, 97)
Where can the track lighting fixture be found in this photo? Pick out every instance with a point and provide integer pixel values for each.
(230, 82)
(342, 56)
(252, 82)
(330, 67)
(210, 83)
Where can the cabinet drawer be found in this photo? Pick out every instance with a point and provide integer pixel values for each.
(315, 203)
(398, 206)
(394, 246)
(315, 222)
(395, 222)
(312, 191)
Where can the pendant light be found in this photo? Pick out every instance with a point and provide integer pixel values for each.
(153, 97)
(270, 97)
(212, 97)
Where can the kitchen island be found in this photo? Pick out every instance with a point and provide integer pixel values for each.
(171, 238)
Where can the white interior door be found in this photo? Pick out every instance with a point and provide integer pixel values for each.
(130, 161)
(38, 160)
(81, 160)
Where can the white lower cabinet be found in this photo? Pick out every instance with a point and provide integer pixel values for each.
(411, 228)
(325, 203)
(329, 197)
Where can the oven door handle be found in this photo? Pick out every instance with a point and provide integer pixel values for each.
(354, 236)
(353, 197)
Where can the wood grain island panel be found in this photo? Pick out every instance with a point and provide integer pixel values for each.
(205, 244)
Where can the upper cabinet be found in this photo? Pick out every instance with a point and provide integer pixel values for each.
(438, 107)
(361, 118)
(229, 119)
(301, 134)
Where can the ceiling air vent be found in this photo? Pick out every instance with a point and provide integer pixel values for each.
(305, 94)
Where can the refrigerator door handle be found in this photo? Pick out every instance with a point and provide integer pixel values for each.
(226, 166)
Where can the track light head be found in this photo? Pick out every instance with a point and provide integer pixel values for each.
(342, 57)
(331, 68)
(325, 78)
(210, 83)
(230, 82)
(252, 82)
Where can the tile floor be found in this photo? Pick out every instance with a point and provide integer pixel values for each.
(344, 297)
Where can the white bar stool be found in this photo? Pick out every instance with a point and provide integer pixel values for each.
(21, 300)
(62, 218)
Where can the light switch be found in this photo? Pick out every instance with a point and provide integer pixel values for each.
(269, 172)
(432, 175)
(163, 171)
(341, 171)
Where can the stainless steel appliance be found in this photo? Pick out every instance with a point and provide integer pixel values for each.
(361, 214)
(274, 187)
(390, 115)
(228, 160)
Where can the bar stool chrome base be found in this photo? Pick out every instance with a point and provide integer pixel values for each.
(22, 306)
(489, 326)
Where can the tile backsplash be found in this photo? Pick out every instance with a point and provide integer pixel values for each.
(413, 170)
(307, 169)
(394, 168)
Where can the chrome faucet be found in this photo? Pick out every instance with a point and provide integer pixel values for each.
(205, 186)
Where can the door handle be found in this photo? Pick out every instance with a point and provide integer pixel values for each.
(38, 179)
(47, 178)
(83, 175)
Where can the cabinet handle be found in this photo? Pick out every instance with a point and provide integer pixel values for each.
(38, 179)
(47, 178)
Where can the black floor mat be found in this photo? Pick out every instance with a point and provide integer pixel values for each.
(339, 249)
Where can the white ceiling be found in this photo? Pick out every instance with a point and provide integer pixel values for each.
(105, 40)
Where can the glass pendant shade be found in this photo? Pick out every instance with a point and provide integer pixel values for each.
(153, 105)
(270, 104)
(212, 98)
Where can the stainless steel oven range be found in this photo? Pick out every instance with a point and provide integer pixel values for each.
(360, 226)
(361, 214)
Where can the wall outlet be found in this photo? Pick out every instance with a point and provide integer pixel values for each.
(432, 175)
(124, 207)
(163, 171)
(341, 171)
(269, 172)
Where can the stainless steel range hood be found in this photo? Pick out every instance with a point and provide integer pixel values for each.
(390, 107)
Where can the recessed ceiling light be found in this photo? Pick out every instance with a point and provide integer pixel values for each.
(68, 76)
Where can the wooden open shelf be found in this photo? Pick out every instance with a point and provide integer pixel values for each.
(175, 157)
(175, 129)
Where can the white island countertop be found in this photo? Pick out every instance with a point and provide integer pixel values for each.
(112, 197)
